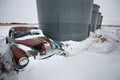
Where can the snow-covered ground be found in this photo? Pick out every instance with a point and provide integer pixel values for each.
(90, 59)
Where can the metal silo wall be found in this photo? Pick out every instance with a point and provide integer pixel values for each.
(99, 21)
(65, 19)
(101, 18)
(95, 14)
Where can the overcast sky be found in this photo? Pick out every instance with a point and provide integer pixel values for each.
(18, 11)
(25, 11)
(110, 10)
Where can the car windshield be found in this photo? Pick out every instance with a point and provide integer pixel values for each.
(21, 33)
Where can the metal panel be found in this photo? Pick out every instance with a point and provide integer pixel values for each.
(95, 14)
(99, 21)
(65, 19)
(101, 18)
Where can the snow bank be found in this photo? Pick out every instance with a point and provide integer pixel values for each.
(111, 32)
(81, 67)
(49, 69)
(88, 62)
(104, 40)
(4, 31)
(3, 46)
(74, 48)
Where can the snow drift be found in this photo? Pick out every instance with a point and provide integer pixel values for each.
(90, 59)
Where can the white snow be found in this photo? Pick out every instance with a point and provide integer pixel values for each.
(90, 59)
(113, 32)
(4, 31)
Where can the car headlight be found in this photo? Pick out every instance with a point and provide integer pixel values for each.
(23, 61)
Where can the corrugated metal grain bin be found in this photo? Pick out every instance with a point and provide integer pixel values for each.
(101, 18)
(95, 14)
(65, 19)
(99, 21)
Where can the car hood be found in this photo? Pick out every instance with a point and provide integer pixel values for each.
(36, 43)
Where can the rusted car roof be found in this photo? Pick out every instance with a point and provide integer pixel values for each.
(24, 28)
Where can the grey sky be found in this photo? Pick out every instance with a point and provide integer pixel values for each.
(25, 11)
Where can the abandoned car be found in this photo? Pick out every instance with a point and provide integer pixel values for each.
(25, 42)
